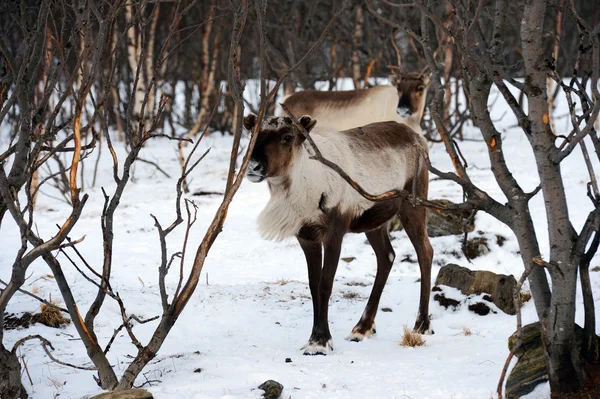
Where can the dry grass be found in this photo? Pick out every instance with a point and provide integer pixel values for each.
(51, 317)
(411, 338)
(351, 295)
(525, 296)
(35, 290)
(282, 281)
(466, 331)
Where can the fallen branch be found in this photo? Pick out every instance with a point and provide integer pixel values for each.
(47, 344)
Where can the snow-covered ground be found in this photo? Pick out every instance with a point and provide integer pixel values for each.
(253, 308)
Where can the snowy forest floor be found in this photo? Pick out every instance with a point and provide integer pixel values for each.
(253, 309)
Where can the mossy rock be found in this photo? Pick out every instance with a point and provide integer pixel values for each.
(272, 389)
(125, 394)
(440, 223)
(500, 287)
(531, 368)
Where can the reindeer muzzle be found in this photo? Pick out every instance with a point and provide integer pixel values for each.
(256, 171)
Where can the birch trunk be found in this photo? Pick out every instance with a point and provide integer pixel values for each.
(558, 328)
(207, 76)
(550, 84)
(358, 33)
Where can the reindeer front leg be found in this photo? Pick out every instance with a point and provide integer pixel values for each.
(320, 338)
(314, 261)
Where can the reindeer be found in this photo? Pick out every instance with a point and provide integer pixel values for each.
(402, 102)
(313, 203)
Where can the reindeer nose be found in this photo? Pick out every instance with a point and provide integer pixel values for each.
(256, 167)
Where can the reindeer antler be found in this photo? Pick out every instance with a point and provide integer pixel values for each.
(398, 56)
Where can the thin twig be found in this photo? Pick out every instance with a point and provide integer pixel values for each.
(518, 304)
(161, 170)
(42, 300)
(47, 344)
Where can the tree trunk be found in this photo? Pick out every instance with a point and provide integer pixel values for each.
(446, 43)
(589, 346)
(519, 219)
(565, 372)
(356, 75)
(139, 72)
(149, 62)
(550, 84)
(10, 376)
(528, 245)
(149, 352)
(207, 77)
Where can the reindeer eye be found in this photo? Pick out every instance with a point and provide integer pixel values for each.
(288, 138)
(420, 89)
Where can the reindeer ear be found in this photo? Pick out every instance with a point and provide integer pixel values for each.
(394, 79)
(307, 122)
(249, 121)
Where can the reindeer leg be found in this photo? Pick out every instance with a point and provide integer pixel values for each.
(320, 338)
(314, 261)
(414, 220)
(380, 241)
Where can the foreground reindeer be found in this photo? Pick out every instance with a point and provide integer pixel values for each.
(312, 202)
(402, 102)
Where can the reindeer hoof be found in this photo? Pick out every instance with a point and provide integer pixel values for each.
(315, 348)
(423, 327)
(357, 334)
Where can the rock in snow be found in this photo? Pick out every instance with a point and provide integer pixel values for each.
(499, 286)
(272, 389)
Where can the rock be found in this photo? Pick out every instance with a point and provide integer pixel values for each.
(272, 389)
(440, 223)
(476, 247)
(125, 394)
(499, 286)
(531, 368)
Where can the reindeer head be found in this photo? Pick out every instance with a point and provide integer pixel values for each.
(412, 91)
(278, 141)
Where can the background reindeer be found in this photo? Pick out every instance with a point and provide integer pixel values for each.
(312, 202)
(403, 102)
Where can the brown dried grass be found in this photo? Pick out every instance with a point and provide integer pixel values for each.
(411, 338)
(51, 316)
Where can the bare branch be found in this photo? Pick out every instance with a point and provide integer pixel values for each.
(47, 344)
(42, 300)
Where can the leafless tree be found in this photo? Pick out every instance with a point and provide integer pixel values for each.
(480, 55)
(34, 147)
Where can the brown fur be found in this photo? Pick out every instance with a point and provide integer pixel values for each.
(321, 238)
(377, 136)
(307, 101)
(411, 87)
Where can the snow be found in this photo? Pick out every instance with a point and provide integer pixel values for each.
(252, 309)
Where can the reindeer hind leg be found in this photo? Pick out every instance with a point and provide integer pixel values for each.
(414, 220)
(380, 241)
